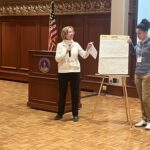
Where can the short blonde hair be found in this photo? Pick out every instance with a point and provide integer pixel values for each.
(64, 31)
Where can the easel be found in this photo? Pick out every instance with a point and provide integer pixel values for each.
(125, 95)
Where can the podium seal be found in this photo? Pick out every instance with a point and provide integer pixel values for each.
(44, 65)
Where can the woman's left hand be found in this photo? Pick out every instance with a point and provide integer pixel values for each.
(89, 45)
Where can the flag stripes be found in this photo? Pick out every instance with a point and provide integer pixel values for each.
(52, 29)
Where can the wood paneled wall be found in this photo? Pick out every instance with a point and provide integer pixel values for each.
(132, 25)
(20, 34)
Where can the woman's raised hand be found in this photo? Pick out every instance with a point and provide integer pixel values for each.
(89, 45)
(129, 41)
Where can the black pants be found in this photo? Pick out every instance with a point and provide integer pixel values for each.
(74, 80)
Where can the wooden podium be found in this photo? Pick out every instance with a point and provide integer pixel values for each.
(43, 83)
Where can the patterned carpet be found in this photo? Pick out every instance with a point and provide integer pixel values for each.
(23, 128)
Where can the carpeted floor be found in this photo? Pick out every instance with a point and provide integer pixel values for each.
(23, 128)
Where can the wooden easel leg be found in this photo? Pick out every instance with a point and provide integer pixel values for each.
(96, 102)
(101, 85)
(126, 101)
(124, 96)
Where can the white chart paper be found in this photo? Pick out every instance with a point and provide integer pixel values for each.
(113, 54)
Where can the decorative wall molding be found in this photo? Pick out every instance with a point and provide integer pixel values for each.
(62, 7)
(24, 7)
(83, 6)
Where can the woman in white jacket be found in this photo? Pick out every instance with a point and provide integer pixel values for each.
(67, 53)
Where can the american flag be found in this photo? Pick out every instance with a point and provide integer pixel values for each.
(52, 39)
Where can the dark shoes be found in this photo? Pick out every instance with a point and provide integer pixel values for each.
(75, 118)
(58, 117)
